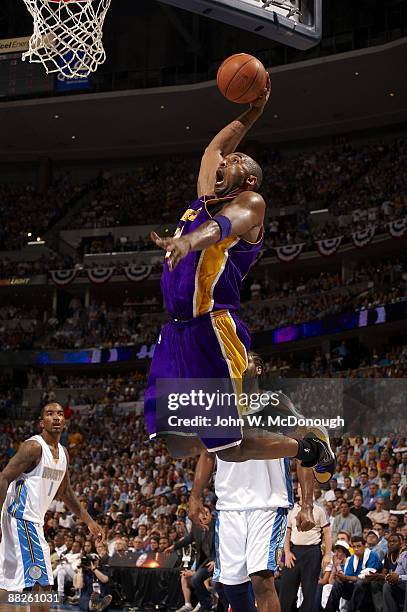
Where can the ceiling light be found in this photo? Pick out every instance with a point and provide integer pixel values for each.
(319, 211)
(56, 116)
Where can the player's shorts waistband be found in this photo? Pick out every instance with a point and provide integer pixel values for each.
(201, 318)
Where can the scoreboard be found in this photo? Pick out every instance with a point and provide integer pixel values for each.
(18, 78)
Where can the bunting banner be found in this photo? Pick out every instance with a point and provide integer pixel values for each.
(63, 277)
(362, 238)
(398, 228)
(137, 273)
(289, 252)
(328, 246)
(98, 276)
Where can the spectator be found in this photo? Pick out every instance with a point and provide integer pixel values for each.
(204, 542)
(67, 568)
(394, 590)
(360, 511)
(352, 584)
(96, 577)
(379, 514)
(346, 521)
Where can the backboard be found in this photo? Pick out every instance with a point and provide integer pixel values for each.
(296, 23)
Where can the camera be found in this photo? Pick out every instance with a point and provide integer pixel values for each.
(87, 560)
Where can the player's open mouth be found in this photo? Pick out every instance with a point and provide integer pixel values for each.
(219, 176)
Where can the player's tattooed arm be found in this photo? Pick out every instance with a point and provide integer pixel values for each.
(245, 213)
(67, 495)
(203, 472)
(24, 461)
(226, 142)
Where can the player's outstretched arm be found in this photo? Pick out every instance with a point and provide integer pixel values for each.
(67, 495)
(245, 213)
(327, 540)
(226, 142)
(25, 460)
(305, 518)
(203, 472)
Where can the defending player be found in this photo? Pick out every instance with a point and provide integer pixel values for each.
(217, 241)
(28, 484)
(252, 506)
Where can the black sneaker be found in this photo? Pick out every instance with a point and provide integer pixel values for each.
(325, 468)
(106, 601)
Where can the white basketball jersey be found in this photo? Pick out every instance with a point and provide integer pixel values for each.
(30, 495)
(253, 485)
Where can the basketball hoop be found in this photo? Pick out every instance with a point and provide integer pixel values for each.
(67, 35)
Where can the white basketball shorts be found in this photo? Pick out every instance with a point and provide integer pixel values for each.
(246, 542)
(24, 555)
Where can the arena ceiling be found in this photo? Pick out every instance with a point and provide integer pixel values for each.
(337, 94)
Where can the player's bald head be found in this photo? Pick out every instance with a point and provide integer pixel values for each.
(253, 169)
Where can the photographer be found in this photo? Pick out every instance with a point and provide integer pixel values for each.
(204, 539)
(95, 580)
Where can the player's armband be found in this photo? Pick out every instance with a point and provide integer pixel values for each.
(225, 226)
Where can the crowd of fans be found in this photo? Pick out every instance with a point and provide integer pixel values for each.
(361, 189)
(342, 361)
(110, 244)
(139, 494)
(20, 204)
(359, 186)
(270, 304)
(317, 307)
(158, 190)
(25, 268)
(98, 392)
(154, 192)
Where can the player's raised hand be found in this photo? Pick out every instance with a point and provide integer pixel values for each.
(263, 98)
(96, 530)
(176, 248)
(305, 519)
(195, 509)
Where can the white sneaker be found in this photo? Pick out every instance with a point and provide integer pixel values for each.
(185, 608)
(197, 608)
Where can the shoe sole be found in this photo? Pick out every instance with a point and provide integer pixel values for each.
(322, 434)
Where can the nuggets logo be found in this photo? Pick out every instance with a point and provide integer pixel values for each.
(35, 572)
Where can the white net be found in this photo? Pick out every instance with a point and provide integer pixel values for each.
(67, 35)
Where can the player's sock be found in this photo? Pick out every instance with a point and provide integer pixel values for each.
(308, 452)
(240, 597)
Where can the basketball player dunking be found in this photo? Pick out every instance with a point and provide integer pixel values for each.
(217, 241)
(28, 484)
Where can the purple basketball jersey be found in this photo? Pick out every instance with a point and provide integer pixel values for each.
(208, 280)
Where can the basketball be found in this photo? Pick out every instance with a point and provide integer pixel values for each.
(241, 78)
